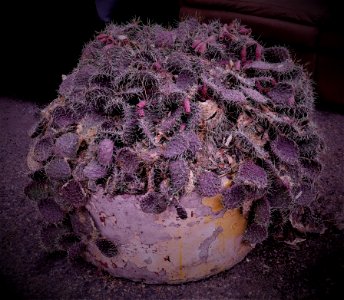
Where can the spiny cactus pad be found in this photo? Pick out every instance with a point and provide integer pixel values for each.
(208, 184)
(162, 113)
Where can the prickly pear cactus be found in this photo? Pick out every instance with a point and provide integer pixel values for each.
(160, 113)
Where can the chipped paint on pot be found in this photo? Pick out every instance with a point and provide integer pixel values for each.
(164, 248)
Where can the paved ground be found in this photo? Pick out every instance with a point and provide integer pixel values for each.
(313, 269)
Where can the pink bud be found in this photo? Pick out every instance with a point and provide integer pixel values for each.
(231, 25)
(103, 40)
(243, 54)
(259, 50)
(182, 127)
(245, 31)
(259, 87)
(210, 39)
(223, 32)
(291, 100)
(237, 65)
(110, 40)
(201, 47)
(232, 37)
(141, 112)
(156, 66)
(187, 106)
(196, 43)
(108, 46)
(141, 104)
(221, 35)
(101, 37)
(204, 91)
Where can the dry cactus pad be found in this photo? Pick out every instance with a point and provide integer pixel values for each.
(169, 154)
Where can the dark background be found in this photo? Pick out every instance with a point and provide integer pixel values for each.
(41, 40)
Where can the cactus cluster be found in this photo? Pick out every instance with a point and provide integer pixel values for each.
(161, 112)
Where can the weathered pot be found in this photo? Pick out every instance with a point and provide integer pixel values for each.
(162, 248)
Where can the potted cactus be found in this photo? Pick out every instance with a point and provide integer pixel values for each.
(169, 153)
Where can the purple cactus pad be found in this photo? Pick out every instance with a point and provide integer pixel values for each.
(286, 150)
(67, 145)
(282, 94)
(176, 147)
(50, 211)
(62, 117)
(105, 152)
(94, 171)
(256, 233)
(233, 96)
(208, 184)
(179, 173)
(43, 149)
(252, 175)
(106, 247)
(193, 143)
(303, 219)
(279, 195)
(311, 168)
(306, 194)
(262, 212)
(276, 54)
(37, 190)
(234, 197)
(153, 203)
(186, 79)
(73, 193)
(254, 95)
(128, 161)
(58, 169)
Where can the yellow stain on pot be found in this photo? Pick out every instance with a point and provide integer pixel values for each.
(233, 224)
(181, 272)
(215, 203)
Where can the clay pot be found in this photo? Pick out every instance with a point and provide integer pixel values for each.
(162, 248)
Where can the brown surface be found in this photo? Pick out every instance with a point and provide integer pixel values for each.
(308, 11)
(312, 269)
